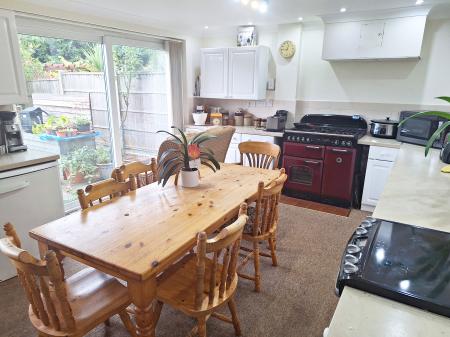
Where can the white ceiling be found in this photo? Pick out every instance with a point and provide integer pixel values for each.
(190, 16)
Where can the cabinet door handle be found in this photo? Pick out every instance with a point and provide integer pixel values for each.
(14, 187)
(313, 147)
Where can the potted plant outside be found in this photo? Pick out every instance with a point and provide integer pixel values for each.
(104, 163)
(80, 165)
(184, 158)
(82, 124)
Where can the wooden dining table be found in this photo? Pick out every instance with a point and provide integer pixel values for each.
(137, 236)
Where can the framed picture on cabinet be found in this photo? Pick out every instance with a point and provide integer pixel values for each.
(246, 36)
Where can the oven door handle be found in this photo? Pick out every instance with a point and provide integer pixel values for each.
(312, 162)
(340, 150)
(312, 147)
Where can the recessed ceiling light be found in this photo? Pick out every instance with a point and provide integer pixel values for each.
(419, 2)
(343, 10)
(245, 2)
(263, 7)
(254, 4)
(300, 19)
(206, 27)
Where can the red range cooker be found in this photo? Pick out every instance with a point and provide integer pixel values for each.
(320, 156)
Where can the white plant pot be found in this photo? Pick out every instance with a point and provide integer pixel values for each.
(196, 163)
(199, 119)
(189, 178)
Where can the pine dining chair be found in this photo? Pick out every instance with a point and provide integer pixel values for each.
(70, 307)
(260, 154)
(144, 174)
(198, 285)
(103, 190)
(262, 226)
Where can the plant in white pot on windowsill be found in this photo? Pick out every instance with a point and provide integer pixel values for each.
(185, 158)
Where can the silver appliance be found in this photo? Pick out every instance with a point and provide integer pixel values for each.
(11, 134)
(277, 122)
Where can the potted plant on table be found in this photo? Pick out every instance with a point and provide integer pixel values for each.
(185, 158)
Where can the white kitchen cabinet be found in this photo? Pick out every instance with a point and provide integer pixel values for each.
(239, 73)
(248, 69)
(12, 84)
(233, 155)
(379, 166)
(29, 197)
(390, 38)
(214, 65)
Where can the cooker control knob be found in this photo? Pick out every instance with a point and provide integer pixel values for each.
(351, 259)
(289, 138)
(353, 249)
(350, 268)
(349, 143)
(303, 139)
(308, 140)
(343, 143)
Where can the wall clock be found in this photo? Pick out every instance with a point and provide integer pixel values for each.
(287, 49)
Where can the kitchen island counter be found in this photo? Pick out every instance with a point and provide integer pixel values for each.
(416, 193)
(384, 142)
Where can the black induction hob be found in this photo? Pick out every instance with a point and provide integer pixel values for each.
(405, 263)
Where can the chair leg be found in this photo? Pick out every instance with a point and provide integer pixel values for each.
(234, 317)
(157, 311)
(272, 251)
(108, 322)
(256, 264)
(201, 326)
(127, 323)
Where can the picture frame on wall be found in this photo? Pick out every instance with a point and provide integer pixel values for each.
(246, 36)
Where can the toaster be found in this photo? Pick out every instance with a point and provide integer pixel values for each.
(277, 122)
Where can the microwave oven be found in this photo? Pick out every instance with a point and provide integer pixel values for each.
(418, 130)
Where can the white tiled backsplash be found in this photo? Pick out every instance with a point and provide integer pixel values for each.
(268, 107)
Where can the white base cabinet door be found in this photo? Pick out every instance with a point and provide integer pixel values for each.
(12, 79)
(29, 197)
(377, 174)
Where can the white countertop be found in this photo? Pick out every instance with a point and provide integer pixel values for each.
(373, 141)
(249, 130)
(416, 193)
(20, 159)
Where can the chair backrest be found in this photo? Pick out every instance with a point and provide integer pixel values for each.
(144, 174)
(266, 210)
(226, 242)
(37, 277)
(260, 154)
(106, 189)
(219, 146)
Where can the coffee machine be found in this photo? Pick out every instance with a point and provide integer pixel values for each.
(10, 134)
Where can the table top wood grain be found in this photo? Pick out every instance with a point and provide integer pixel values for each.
(138, 235)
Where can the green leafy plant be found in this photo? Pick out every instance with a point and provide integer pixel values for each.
(81, 120)
(38, 129)
(82, 160)
(441, 129)
(173, 160)
(103, 156)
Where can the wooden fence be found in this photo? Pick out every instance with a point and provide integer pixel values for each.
(83, 93)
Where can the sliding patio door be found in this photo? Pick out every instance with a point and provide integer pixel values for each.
(68, 112)
(140, 96)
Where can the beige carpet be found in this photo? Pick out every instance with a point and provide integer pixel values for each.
(297, 297)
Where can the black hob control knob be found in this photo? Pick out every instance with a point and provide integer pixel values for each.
(303, 139)
(308, 140)
(350, 268)
(348, 143)
(297, 138)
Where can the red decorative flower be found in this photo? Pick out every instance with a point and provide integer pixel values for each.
(193, 151)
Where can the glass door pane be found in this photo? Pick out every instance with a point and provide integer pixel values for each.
(67, 112)
(143, 90)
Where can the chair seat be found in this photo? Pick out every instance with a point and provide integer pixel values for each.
(91, 294)
(176, 286)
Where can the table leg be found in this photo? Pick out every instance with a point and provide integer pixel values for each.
(142, 295)
(43, 248)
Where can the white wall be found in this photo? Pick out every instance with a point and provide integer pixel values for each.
(397, 82)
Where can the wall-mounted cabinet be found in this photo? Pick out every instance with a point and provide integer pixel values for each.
(12, 84)
(239, 73)
(387, 37)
